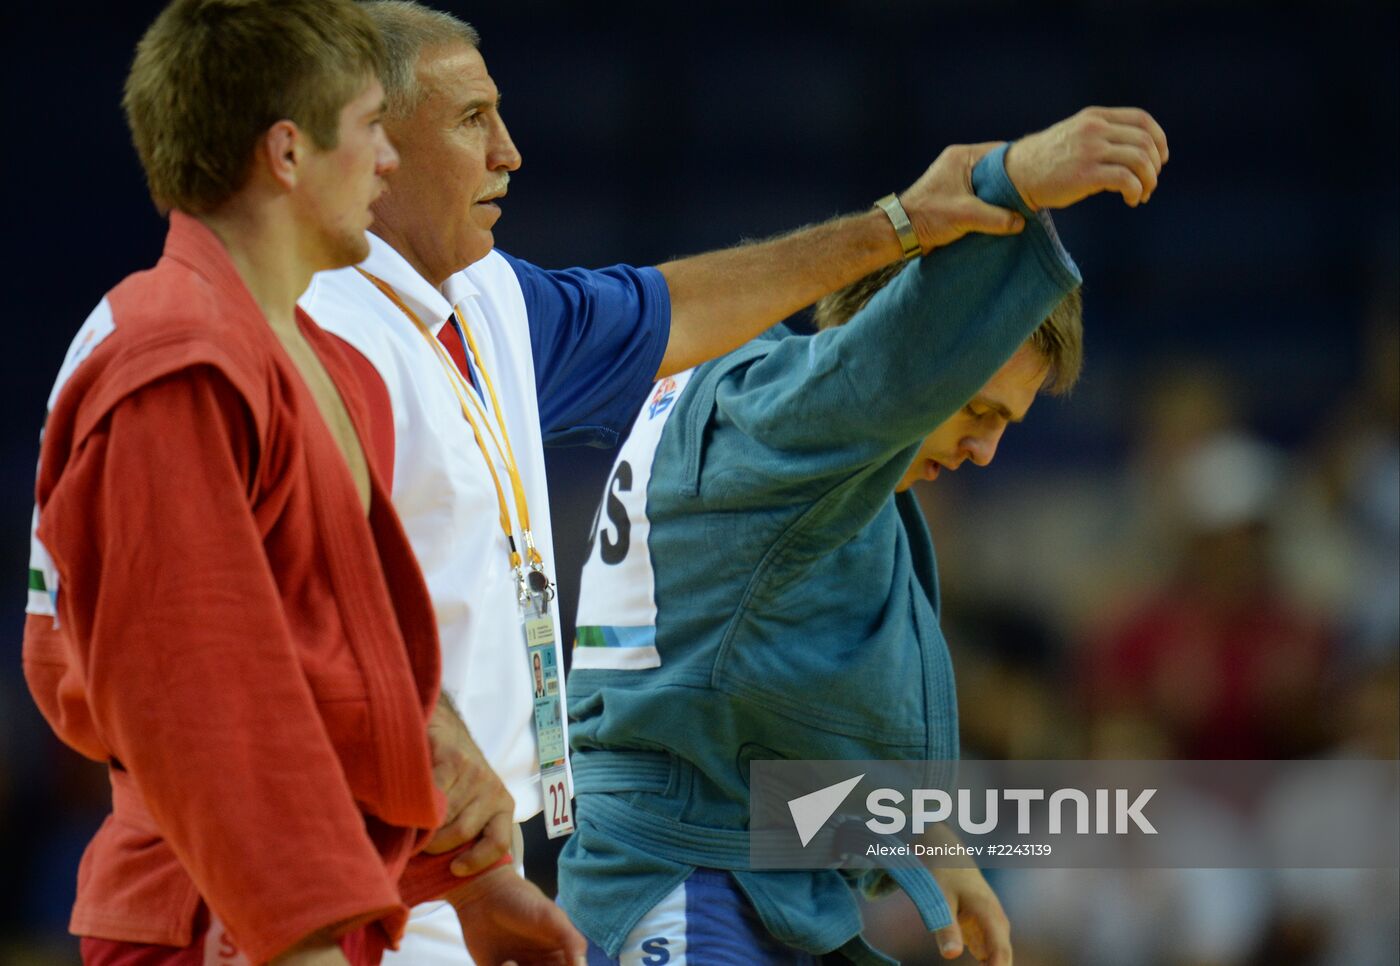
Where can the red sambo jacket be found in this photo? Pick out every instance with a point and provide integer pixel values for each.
(255, 658)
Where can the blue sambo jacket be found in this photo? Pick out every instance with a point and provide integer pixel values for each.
(756, 590)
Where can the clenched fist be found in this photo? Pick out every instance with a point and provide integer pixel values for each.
(1115, 149)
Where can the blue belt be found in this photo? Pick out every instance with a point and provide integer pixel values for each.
(600, 775)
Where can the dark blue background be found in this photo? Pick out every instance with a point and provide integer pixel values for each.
(653, 130)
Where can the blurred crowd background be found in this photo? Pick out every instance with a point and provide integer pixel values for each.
(1195, 556)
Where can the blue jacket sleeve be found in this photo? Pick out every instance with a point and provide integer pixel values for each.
(597, 338)
(818, 408)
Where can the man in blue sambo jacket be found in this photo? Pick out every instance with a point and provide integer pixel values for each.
(762, 585)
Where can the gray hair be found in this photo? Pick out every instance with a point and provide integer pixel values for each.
(408, 28)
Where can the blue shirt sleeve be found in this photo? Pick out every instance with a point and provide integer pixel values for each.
(597, 338)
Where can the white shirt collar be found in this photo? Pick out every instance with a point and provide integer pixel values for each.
(459, 286)
(386, 263)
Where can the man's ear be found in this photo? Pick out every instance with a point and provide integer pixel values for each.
(283, 149)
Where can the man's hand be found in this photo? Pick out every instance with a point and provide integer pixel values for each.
(942, 207)
(479, 809)
(979, 923)
(507, 920)
(1118, 149)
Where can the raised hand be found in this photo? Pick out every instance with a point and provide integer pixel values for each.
(1115, 149)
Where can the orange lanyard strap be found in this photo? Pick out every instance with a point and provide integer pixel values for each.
(472, 410)
(509, 455)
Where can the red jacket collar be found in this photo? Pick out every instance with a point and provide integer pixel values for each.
(194, 245)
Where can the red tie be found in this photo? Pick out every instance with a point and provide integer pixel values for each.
(452, 342)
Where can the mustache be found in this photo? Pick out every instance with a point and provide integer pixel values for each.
(496, 187)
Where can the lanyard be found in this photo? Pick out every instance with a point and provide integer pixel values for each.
(473, 410)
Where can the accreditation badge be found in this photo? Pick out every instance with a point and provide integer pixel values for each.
(549, 715)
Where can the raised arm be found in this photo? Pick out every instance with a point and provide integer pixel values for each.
(856, 395)
(722, 299)
(854, 399)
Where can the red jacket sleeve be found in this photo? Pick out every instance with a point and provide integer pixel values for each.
(192, 673)
(430, 876)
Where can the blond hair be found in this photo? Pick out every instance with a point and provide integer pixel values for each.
(211, 76)
(1059, 339)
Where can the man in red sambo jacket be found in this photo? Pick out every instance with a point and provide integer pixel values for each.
(223, 605)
